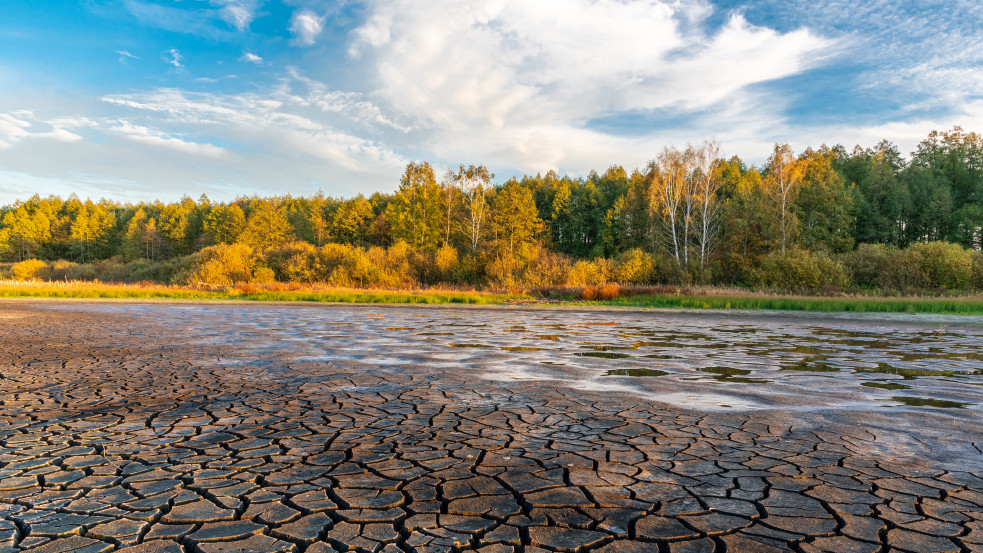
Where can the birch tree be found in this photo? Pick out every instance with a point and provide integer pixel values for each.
(475, 185)
(450, 193)
(688, 200)
(707, 191)
(782, 183)
(669, 173)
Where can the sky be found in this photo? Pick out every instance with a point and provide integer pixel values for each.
(138, 100)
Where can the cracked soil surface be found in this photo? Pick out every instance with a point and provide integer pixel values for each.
(214, 428)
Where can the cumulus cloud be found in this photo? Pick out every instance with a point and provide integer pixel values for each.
(306, 26)
(520, 81)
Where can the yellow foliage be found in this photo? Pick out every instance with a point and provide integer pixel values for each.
(263, 275)
(634, 267)
(223, 264)
(31, 269)
(446, 261)
(587, 273)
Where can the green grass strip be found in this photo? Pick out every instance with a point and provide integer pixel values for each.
(955, 306)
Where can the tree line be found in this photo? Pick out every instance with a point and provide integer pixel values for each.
(825, 217)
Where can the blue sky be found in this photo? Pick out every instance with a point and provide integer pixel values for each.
(154, 99)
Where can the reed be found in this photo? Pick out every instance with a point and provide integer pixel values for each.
(90, 290)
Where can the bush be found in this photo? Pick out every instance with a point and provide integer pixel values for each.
(799, 271)
(978, 270)
(501, 271)
(293, 262)
(223, 264)
(868, 263)
(634, 267)
(60, 269)
(903, 272)
(588, 273)
(81, 272)
(446, 263)
(947, 266)
(397, 270)
(609, 292)
(263, 275)
(667, 271)
(31, 269)
(548, 269)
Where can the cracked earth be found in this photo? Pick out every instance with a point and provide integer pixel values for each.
(214, 428)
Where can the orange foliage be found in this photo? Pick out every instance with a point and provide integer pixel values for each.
(609, 292)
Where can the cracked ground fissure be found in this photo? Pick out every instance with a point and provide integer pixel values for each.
(122, 431)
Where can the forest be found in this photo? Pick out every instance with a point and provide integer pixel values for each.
(825, 220)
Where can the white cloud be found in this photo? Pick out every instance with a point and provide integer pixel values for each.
(238, 13)
(210, 20)
(275, 123)
(306, 26)
(124, 55)
(23, 125)
(168, 142)
(517, 82)
(12, 130)
(251, 58)
(157, 138)
(353, 105)
(172, 57)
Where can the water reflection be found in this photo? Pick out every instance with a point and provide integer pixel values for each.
(781, 361)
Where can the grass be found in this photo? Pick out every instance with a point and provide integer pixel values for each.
(703, 298)
(954, 306)
(89, 290)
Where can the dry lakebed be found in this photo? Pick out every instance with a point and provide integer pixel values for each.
(170, 427)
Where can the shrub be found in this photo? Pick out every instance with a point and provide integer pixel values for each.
(396, 268)
(31, 269)
(634, 267)
(587, 273)
(446, 263)
(947, 266)
(666, 271)
(60, 269)
(471, 269)
(263, 275)
(81, 272)
(501, 271)
(609, 292)
(548, 268)
(978, 270)
(800, 270)
(223, 264)
(292, 262)
(868, 263)
(903, 271)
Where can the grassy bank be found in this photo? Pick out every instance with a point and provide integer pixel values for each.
(83, 290)
(951, 306)
(638, 297)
